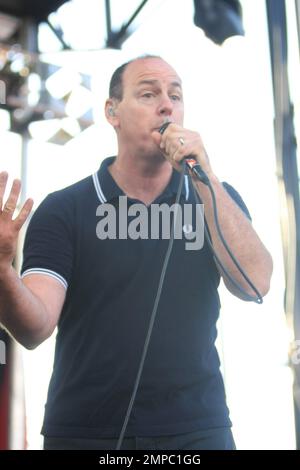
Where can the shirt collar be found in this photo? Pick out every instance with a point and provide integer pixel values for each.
(107, 189)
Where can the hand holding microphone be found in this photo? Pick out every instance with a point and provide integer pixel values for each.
(184, 146)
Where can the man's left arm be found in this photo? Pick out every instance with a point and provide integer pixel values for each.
(241, 238)
(176, 143)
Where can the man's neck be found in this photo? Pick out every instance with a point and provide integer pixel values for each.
(142, 179)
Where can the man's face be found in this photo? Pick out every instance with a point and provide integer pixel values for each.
(152, 94)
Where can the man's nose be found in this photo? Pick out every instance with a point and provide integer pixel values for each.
(165, 106)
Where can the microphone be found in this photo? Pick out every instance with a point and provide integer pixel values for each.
(189, 160)
(163, 127)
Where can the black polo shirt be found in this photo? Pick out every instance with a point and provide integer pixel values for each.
(111, 285)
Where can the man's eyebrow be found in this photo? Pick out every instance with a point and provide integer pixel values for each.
(155, 82)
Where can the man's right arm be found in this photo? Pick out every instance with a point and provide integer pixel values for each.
(29, 307)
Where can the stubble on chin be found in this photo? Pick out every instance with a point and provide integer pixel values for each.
(154, 155)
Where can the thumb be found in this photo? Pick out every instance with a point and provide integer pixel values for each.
(157, 137)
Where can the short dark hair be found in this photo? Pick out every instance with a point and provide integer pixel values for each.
(116, 81)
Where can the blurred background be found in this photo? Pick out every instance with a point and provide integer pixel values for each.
(239, 62)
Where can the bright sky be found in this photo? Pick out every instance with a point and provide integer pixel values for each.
(228, 99)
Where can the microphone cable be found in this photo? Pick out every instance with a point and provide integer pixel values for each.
(204, 179)
(153, 316)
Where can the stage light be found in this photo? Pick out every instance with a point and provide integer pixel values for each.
(61, 83)
(44, 130)
(79, 102)
(219, 19)
(56, 131)
(8, 26)
(70, 126)
(36, 9)
(4, 120)
(34, 89)
(18, 63)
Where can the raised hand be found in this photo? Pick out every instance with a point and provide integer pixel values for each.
(9, 227)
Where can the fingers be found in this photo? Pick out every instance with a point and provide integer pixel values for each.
(24, 213)
(156, 137)
(177, 143)
(7, 210)
(173, 145)
(3, 183)
(173, 142)
(166, 152)
(11, 203)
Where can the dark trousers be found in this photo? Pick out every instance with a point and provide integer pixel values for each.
(210, 439)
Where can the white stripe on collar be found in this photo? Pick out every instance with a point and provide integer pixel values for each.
(103, 199)
(98, 188)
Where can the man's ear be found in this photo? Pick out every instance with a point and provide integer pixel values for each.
(110, 112)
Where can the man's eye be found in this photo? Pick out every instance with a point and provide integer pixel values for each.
(175, 97)
(148, 95)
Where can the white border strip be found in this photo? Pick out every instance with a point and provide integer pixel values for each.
(187, 187)
(98, 188)
(46, 272)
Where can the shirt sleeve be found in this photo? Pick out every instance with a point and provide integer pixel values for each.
(237, 198)
(48, 247)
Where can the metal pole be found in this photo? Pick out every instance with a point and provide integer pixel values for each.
(287, 171)
(108, 18)
(59, 34)
(115, 39)
(297, 6)
(29, 43)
